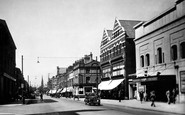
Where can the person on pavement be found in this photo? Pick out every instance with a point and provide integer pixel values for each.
(141, 95)
(173, 96)
(41, 96)
(119, 95)
(168, 96)
(152, 97)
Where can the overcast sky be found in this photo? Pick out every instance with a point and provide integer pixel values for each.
(56, 29)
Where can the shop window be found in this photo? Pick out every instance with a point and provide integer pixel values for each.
(182, 50)
(159, 55)
(142, 61)
(147, 59)
(174, 52)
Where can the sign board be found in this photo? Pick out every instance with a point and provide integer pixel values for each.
(182, 82)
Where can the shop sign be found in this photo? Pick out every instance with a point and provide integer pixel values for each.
(182, 76)
(145, 79)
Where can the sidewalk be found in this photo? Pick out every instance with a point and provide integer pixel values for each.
(178, 108)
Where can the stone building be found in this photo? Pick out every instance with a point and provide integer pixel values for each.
(160, 53)
(86, 75)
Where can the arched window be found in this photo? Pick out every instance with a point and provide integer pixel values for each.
(182, 50)
(174, 52)
(147, 59)
(159, 55)
(142, 61)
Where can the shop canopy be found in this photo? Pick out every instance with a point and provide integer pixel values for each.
(103, 85)
(59, 90)
(110, 84)
(52, 91)
(67, 89)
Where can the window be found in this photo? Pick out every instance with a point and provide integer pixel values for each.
(142, 61)
(87, 79)
(182, 50)
(120, 49)
(114, 51)
(174, 52)
(87, 70)
(159, 55)
(147, 59)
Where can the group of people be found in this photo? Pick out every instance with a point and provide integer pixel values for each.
(143, 95)
(171, 96)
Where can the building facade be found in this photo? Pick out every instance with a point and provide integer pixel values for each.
(117, 58)
(7, 64)
(160, 53)
(86, 75)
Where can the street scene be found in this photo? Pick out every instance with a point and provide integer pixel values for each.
(100, 57)
(69, 106)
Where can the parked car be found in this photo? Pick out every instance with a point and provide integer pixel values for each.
(92, 99)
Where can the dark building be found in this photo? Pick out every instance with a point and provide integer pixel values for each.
(7, 64)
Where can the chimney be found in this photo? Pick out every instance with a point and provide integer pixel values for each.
(91, 55)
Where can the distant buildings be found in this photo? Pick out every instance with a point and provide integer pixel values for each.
(82, 77)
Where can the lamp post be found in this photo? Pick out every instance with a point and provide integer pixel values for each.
(22, 84)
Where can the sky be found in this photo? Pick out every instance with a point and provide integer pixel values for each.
(58, 32)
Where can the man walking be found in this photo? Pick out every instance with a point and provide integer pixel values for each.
(141, 95)
(152, 97)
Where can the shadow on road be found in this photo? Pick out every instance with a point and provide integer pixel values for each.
(75, 112)
(35, 101)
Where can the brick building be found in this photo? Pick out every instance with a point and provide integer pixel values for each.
(117, 58)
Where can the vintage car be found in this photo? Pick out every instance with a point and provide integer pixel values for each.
(92, 99)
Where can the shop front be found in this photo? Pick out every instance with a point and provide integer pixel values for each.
(159, 84)
(110, 88)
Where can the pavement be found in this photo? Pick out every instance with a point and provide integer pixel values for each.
(178, 108)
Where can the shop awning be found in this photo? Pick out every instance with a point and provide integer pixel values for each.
(64, 90)
(103, 85)
(59, 90)
(52, 91)
(114, 83)
(67, 89)
(109, 85)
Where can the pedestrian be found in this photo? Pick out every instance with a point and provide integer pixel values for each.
(145, 96)
(173, 96)
(168, 96)
(41, 96)
(152, 98)
(141, 96)
(119, 95)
